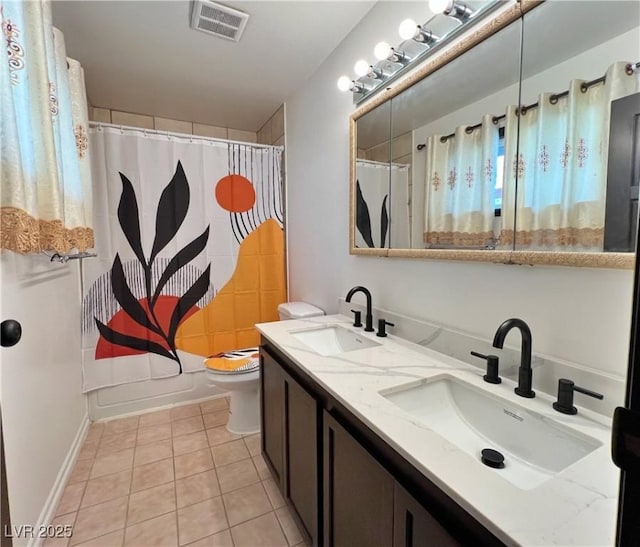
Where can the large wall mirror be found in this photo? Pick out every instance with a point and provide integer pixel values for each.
(502, 153)
(578, 66)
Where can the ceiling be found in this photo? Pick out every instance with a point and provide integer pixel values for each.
(142, 57)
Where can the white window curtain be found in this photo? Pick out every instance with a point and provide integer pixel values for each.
(561, 166)
(45, 184)
(461, 177)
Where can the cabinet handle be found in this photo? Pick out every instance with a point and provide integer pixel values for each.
(408, 529)
(330, 479)
(285, 460)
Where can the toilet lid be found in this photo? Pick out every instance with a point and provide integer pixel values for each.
(234, 362)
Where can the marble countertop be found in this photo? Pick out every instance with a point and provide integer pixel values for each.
(577, 506)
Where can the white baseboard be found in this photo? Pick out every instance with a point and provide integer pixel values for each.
(49, 510)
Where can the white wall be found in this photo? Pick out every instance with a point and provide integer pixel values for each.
(581, 315)
(42, 404)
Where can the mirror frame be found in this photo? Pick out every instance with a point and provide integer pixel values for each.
(469, 40)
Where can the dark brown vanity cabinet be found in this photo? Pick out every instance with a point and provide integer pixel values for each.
(289, 440)
(348, 487)
(365, 505)
(358, 492)
(272, 415)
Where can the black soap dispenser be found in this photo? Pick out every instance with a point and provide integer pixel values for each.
(491, 376)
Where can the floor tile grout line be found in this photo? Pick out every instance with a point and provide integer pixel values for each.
(175, 494)
(251, 518)
(104, 535)
(75, 517)
(217, 495)
(126, 514)
(224, 507)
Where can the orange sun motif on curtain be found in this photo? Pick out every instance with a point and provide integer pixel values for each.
(235, 193)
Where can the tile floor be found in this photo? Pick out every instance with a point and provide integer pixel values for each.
(173, 477)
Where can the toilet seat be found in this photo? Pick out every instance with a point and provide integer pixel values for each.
(234, 362)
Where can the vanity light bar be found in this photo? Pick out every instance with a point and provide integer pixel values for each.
(410, 30)
(424, 36)
(355, 86)
(399, 56)
(376, 73)
(452, 8)
(395, 61)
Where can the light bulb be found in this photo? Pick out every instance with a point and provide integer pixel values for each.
(407, 29)
(344, 83)
(361, 68)
(440, 6)
(382, 51)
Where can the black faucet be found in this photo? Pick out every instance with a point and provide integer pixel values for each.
(525, 375)
(369, 318)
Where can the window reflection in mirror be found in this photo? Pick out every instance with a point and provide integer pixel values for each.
(576, 185)
(454, 121)
(372, 179)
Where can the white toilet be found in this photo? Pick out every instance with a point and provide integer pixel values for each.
(242, 380)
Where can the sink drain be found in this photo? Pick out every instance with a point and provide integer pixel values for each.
(492, 458)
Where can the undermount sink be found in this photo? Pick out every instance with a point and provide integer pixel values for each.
(534, 447)
(332, 339)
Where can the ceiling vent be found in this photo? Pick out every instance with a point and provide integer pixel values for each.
(214, 18)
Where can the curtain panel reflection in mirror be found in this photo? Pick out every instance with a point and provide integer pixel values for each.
(561, 166)
(45, 183)
(382, 205)
(461, 178)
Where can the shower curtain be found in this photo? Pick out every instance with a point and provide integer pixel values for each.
(189, 235)
(382, 205)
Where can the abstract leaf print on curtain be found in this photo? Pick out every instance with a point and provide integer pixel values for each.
(160, 323)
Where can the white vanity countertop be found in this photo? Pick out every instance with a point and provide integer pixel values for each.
(577, 506)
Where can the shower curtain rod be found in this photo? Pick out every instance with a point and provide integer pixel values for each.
(553, 99)
(180, 135)
(384, 163)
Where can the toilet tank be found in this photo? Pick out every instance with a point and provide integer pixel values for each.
(298, 310)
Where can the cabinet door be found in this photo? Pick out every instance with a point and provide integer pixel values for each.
(272, 415)
(413, 525)
(301, 418)
(358, 496)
